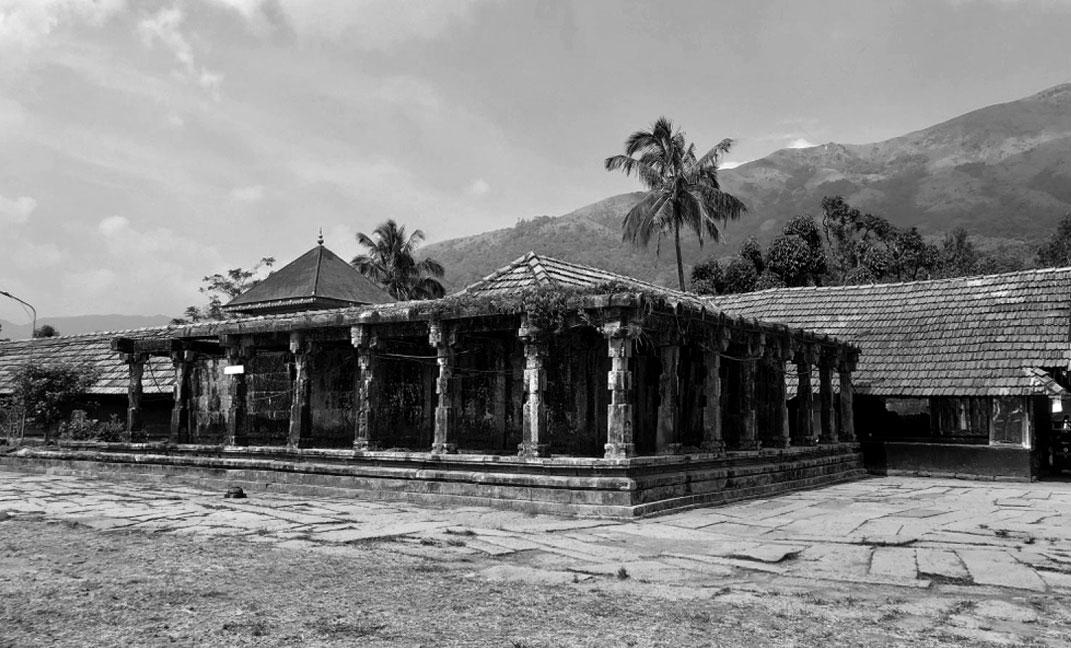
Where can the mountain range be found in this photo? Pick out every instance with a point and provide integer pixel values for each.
(1003, 172)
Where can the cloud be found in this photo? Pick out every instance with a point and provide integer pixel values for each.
(112, 226)
(165, 28)
(253, 193)
(479, 188)
(365, 24)
(800, 143)
(25, 24)
(15, 211)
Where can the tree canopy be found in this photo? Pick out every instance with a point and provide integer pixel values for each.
(225, 286)
(682, 188)
(389, 260)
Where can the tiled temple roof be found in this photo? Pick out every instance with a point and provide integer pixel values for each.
(92, 350)
(317, 279)
(969, 336)
(535, 271)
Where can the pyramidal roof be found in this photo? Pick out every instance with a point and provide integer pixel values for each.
(535, 271)
(315, 280)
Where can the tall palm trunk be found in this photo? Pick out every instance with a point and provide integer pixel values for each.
(677, 246)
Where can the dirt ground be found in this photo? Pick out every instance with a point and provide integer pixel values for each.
(64, 584)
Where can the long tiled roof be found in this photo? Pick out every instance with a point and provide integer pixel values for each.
(980, 336)
(92, 350)
(316, 279)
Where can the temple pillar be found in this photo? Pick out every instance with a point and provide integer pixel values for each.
(300, 433)
(500, 404)
(846, 366)
(749, 438)
(535, 436)
(804, 358)
(236, 392)
(443, 340)
(367, 389)
(777, 356)
(828, 419)
(667, 433)
(619, 414)
(180, 411)
(713, 441)
(136, 368)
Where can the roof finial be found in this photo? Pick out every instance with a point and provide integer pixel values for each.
(320, 238)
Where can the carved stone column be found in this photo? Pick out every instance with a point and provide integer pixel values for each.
(828, 432)
(713, 440)
(300, 433)
(366, 397)
(236, 391)
(443, 340)
(136, 368)
(534, 432)
(846, 366)
(619, 415)
(804, 359)
(749, 438)
(180, 411)
(776, 356)
(667, 434)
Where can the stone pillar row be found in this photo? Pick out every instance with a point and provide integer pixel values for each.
(620, 442)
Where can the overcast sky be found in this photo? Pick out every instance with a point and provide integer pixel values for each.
(146, 144)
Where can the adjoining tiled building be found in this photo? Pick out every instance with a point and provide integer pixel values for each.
(959, 376)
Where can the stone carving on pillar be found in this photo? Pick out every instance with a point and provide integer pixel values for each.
(236, 354)
(804, 360)
(749, 438)
(535, 436)
(845, 366)
(619, 416)
(180, 412)
(667, 433)
(713, 440)
(300, 433)
(827, 360)
(443, 339)
(777, 355)
(365, 341)
(134, 424)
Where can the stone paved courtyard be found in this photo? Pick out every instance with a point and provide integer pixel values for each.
(911, 533)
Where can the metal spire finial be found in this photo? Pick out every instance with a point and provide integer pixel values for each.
(320, 238)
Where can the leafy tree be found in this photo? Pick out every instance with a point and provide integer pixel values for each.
(49, 393)
(769, 279)
(807, 230)
(389, 262)
(221, 287)
(45, 331)
(682, 189)
(740, 276)
(958, 256)
(849, 234)
(1057, 252)
(751, 251)
(707, 278)
(789, 259)
(910, 256)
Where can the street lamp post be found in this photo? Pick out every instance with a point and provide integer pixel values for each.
(33, 330)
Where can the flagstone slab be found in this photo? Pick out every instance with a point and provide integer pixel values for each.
(999, 568)
(940, 563)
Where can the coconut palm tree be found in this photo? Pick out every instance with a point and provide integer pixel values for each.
(389, 262)
(682, 190)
